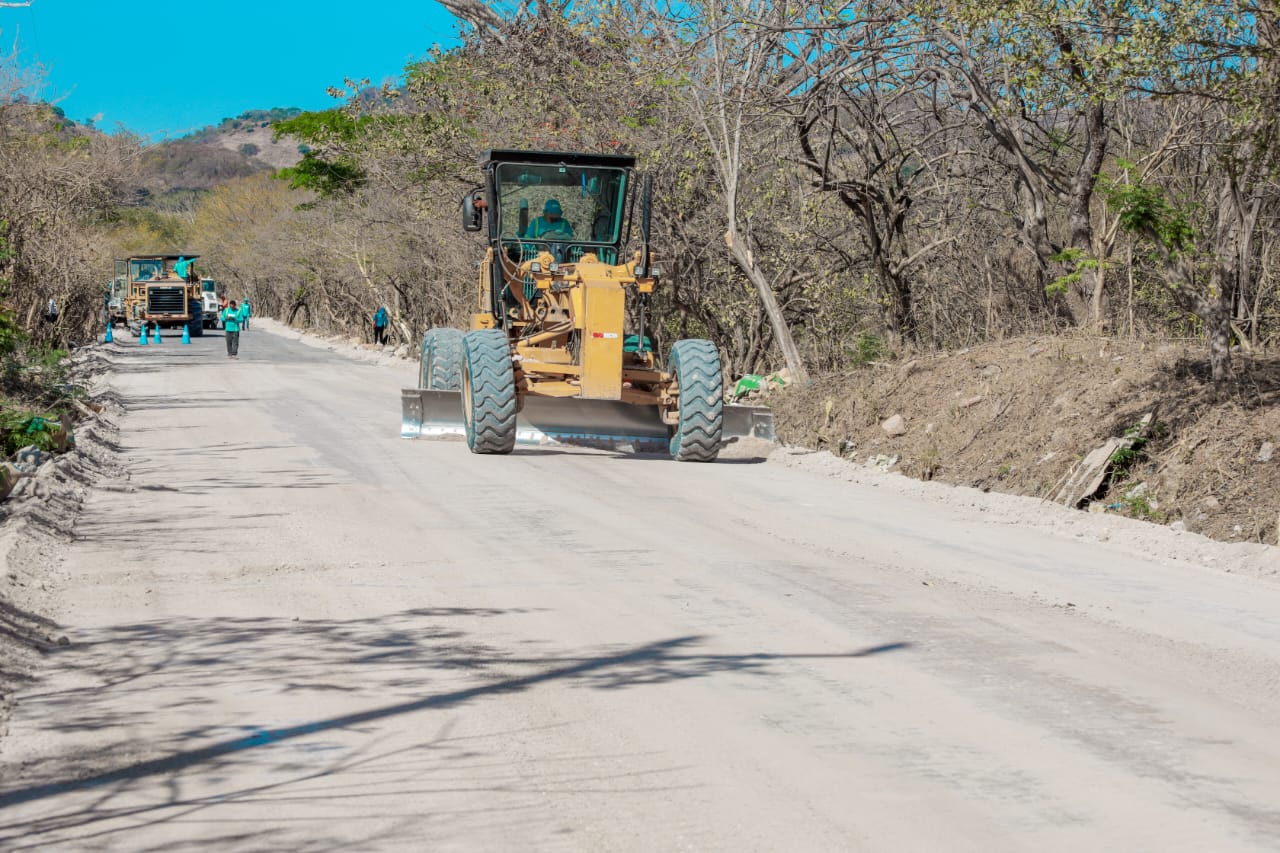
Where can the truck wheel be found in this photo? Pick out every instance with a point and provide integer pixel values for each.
(440, 365)
(696, 367)
(488, 392)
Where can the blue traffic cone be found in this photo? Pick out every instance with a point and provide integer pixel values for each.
(186, 334)
(108, 339)
(156, 338)
(142, 336)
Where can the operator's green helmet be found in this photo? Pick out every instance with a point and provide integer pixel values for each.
(552, 206)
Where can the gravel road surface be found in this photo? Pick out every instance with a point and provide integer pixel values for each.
(292, 630)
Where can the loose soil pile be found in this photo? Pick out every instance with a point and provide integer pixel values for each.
(1017, 416)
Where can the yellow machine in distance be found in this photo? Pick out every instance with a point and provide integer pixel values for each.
(558, 350)
(161, 290)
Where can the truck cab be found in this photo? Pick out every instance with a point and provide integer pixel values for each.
(117, 290)
(211, 302)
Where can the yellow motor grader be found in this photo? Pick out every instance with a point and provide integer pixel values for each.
(558, 352)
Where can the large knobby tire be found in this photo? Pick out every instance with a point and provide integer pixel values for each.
(440, 365)
(696, 367)
(195, 327)
(488, 392)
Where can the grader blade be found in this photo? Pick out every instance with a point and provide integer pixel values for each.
(431, 414)
(551, 421)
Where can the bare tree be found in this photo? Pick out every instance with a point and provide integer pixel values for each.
(734, 59)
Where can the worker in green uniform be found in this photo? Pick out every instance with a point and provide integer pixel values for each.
(231, 329)
(551, 224)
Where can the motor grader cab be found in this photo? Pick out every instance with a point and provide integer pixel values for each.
(558, 351)
(162, 290)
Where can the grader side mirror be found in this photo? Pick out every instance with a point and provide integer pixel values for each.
(472, 212)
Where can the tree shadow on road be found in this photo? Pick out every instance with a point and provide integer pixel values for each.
(144, 676)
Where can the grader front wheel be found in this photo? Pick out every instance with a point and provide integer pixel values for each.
(695, 365)
(488, 392)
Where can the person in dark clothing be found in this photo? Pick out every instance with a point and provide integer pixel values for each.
(380, 326)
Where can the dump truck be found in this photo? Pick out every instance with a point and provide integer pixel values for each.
(163, 290)
(558, 350)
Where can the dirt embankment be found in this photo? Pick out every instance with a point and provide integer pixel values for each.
(1019, 415)
(37, 521)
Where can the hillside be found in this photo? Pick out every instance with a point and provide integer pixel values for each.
(1019, 416)
(249, 134)
(234, 148)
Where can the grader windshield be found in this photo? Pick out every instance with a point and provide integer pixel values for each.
(566, 210)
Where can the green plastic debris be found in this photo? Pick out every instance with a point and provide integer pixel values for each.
(755, 382)
(750, 382)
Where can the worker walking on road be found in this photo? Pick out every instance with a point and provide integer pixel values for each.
(380, 325)
(245, 314)
(231, 329)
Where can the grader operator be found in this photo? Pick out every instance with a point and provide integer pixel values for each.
(559, 350)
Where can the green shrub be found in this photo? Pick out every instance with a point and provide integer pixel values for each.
(868, 348)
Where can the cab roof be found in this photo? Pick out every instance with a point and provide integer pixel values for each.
(495, 156)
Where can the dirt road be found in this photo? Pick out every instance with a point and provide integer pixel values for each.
(296, 631)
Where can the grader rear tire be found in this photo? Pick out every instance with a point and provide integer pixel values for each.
(440, 365)
(488, 392)
(697, 370)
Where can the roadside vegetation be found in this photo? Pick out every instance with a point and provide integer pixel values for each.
(896, 179)
(60, 185)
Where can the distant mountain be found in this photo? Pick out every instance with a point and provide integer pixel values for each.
(250, 134)
(237, 147)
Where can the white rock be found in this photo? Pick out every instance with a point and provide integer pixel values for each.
(1265, 452)
(894, 426)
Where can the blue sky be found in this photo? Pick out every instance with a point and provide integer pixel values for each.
(171, 68)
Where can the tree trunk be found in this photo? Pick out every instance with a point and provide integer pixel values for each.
(1085, 298)
(770, 302)
(1217, 321)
